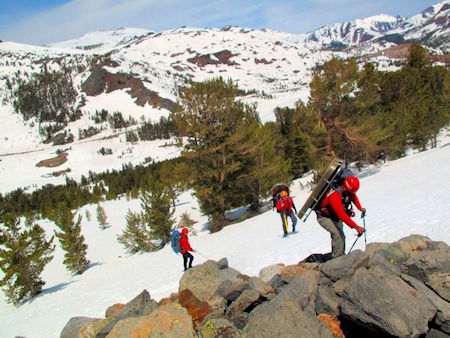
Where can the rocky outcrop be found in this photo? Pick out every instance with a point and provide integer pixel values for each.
(101, 81)
(395, 290)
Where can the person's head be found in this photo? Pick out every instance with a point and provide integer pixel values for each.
(185, 231)
(351, 183)
(283, 193)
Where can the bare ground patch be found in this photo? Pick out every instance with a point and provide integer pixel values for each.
(53, 162)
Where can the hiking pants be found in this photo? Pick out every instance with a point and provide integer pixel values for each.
(187, 256)
(335, 228)
(284, 219)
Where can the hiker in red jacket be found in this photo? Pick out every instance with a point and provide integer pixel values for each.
(284, 206)
(336, 208)
(185, 247)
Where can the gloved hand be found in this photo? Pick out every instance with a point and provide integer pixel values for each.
(360, 230)
(363, 212)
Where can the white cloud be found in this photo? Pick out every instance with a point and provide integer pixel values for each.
(78, 17)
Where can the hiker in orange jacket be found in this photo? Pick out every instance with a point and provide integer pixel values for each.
(336, 208)
(185, 247)
(284, 206)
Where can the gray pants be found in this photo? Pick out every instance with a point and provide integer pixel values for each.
(335, 228)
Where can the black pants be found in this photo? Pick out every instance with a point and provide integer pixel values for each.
(187, 256)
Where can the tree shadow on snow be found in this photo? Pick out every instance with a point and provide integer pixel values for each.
(46, 291)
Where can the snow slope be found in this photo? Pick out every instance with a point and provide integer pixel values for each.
(406, 196)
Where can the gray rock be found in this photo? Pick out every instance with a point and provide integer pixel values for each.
(387, 303)
(262, 287)
(205, 279)
(276, 282)
(436, 334)
(426, 262)
(287, 320)
(327, 301)
(222, 264)
(267, 273)
(302, 289)
(140, 305)
(440, 283)
(443, 315)
(347, 264)
(231, 290)
(245, 300)
(74, 326)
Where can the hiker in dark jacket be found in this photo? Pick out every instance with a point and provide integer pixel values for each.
(185, 247)
(336, 208)
(284, 206)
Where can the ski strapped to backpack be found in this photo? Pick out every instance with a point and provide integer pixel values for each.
(332, 178)
(175, 241)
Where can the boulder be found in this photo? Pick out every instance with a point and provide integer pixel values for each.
(140, 305)
(245, 300)
(267, 273)
(205, 279)
(387, 303)
(170, 320)
(442, 319)
(336, 268)
(302, 289)
(77, 324)
(278, 319)
(195, 307)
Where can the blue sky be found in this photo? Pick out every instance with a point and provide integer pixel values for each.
(44, 21)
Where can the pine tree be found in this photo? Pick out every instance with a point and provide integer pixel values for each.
(214, 122)
(159, 207)
(71, 240)
(101, 217)
(23, 256)
(135, 237)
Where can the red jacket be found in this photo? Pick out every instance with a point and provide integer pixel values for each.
(285, 203)
(334, 201)
(184, 244)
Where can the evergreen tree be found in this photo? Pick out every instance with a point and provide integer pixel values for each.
(23, 256)
(135, 237)
(101, 217)
(332, 98)
(71, 240)
(263, 166)
(158, 209)
(213, 122)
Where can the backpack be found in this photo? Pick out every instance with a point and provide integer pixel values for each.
(338, 180)
(276, 189)
(175, 241)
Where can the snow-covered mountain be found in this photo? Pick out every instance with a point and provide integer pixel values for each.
(138, 73)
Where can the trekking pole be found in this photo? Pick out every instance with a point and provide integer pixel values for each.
(353, 244)
(365, 232)
(201, 254)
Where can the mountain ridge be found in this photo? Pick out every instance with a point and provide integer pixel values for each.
(138, 72)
